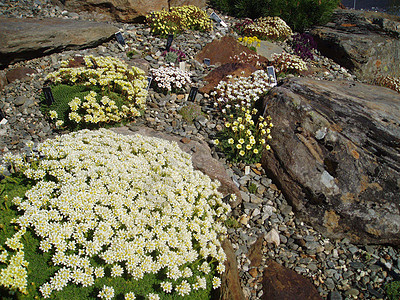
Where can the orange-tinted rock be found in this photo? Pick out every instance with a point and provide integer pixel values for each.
(198, 3)
(230, 280)
(255, 252)
(220, 51)
(280, 283)
(220, 73)
(19, 73)
(119, 10)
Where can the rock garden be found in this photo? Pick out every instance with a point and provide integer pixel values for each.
(182, 150)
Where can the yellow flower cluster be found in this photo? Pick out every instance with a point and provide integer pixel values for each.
(243, 138)
(179, 19)
(249, 41)
(112, 75)
(133, 202)
(273, 28)
(15, 275)
(288, 63)
(90, 110)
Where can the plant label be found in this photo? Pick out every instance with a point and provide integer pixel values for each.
(149, 79)
(217, 19)
(246, 170)
(169, 41)
(182, 66)
(48, 95)
(192, 93)
(120, 39)
(271, 75)
(3, 119)
(207, 61)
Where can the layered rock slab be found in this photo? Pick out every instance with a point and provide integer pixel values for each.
(366, 43)
(336, 156)
(23, 39)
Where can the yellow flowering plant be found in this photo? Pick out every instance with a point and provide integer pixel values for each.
(112, 215)
(245, 136)
(252, 42)
(179, 19)
(104, 90)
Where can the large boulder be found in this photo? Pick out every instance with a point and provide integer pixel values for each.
(23, 39)
(336, 156)
(367, 43)
(125, 10)
(280, 283)
(201, 158)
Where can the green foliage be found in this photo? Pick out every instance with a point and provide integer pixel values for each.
(243, 139)
(252, 187)
(393, 290)
(64, 93)
(171, 57)
(231, 222)
(190, 112)
(298, 14)
(179, 19)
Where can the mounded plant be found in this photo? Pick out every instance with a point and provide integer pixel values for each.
(104, 90)
(245, 136)
(167, 79)
(273, 28)
(107, 215)
(179, 19)
(288, 63)
(389, 82)
(303, 44)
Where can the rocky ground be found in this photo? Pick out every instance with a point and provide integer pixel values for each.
(339, 269)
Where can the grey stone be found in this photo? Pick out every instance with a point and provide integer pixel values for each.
(22, 39)
(20, 100)
(335, 295)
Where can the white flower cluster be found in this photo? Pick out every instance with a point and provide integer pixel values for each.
(241, 91)
(286, 62)
(170, 79)
(134, 202)
(269, 27)
(110, 74)
(15, 275)
(390, 82)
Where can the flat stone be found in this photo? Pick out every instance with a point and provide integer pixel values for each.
(20, 100)
(282, 283)
(20, 73)
(22, 39)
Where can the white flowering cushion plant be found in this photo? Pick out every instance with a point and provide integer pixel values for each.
(112, 92)
(113, 214)
(169, 79)
(231, 96)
